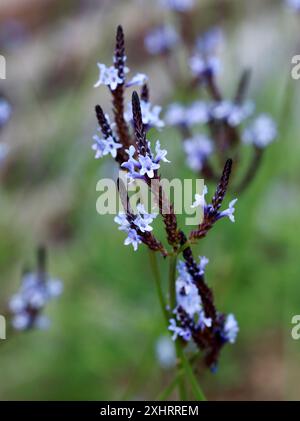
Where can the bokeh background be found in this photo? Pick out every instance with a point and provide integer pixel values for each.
(101, 343)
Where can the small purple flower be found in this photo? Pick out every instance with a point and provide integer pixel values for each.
(122, 220)
(231, 329)
(133, 238)
(150, 114)
(200, 199)
(32, 297)
(203, 321)
(178, 5)
(5, 111)
(139, 79)
(176, 115)
(197, 149)
(147, 166)
(261, 132)
(183, 333)
(230, 211)
(161, 39)
(201, 66)
(108, 76)
(160, 153)
(105, 146)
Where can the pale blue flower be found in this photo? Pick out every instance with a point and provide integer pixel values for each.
(147, 166)
(161, 39)
(5, 111)
(230, 211)
(165, 352)
(182, 332)
(108, 76)
(160, 153)
(103, 147)
(197, 149)
(139, 79)
(150, 114)
(133, 238)
(230, 329)
(261, 132)
(200, 199)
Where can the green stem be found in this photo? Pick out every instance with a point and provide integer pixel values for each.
(155, 270)
(169, 389)
(197, 391)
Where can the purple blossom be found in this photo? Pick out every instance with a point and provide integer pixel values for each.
(150, 114)
(161, 39)
(104, 147)
(231, 329)
(197, 149)
(139, 79)
(230, 211)
(31, 298)
(179, 331)
(133, 238)
(108, 76)
(261, 132)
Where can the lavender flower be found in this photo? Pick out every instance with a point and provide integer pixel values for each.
(145, 164)
(5, 111)
(139, 222)
(103, 147)
(161, 39)
(138, 80)
(293, 4)
(178, 5)
(208, 43)
(230, 329)
(36, 291)
(108, 76)
(176, 115)
(150, 114)
(178, 331)
(202, 66)
(234, 114)
(209, 209)
(261, 132)
(198, 150)
(230, 211)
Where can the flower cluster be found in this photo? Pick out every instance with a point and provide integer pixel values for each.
(294, 5)
(190, 321)
(36, 290)
(193, 314)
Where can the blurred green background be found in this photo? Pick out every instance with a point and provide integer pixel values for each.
(101, 344)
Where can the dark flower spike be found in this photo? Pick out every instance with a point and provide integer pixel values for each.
(139, 127)
(145, 93)
(118, 93)
(211, 211)
(107, 132)
(243, 86)
(222, 186)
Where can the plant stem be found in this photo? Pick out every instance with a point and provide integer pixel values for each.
(156, 274)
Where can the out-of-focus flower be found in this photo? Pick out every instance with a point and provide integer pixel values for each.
(197, 149)
(150, 114)
(197, 113)
(202, 66)
(231, 329)
(176, 115)
(208, 43)
(5, 111)
(35, 292)
(293, 4)
(234, 114)
(161, 39)
(178, 5)
(165, 352)
(261, 132)
(139, 79)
